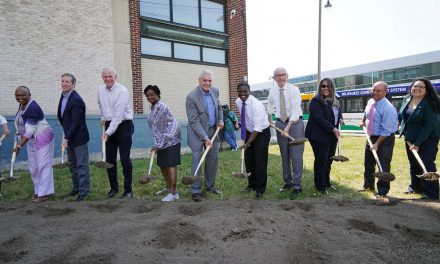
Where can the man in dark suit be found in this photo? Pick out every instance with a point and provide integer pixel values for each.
(72, 116)
(204, 114)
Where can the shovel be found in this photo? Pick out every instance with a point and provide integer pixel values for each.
(381, 175)
(241, 174)
(428, 176)
(103, 164)
(11, 172)
(62, 164)
(192, 179)
(148, 178)
(1, 138)
(292, 140)
(339, 157)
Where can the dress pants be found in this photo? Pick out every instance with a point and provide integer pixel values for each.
(427, 152)
(291, 156)
(385, 154)
(211, 164)
(322, 164)
(256, 156)
(122, 140)
(79, 168)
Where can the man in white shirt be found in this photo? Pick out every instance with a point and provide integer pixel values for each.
(117, 117)
(285, 104)
(256, 137)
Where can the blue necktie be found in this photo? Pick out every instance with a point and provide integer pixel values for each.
(243, 121)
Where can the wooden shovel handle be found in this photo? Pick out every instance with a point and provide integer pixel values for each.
(206, 150)
(372, 150)
(103, 144)
(282, 132)
(151, 161)
(416, 154)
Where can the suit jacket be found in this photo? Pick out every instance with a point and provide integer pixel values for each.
(198, 117)
(321, 122)
(422, 124)
(73, 120)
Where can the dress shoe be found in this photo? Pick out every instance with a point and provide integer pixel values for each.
(258, 195)
(73, 193)
(80, 198)
(112, 193)
(40, 199)
(196, 197)
(295, 193)
(126, 195)
(286, 187)
(214, 191)
(363, 189)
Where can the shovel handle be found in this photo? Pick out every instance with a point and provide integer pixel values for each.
(242, 160)
(103, 144)
(206, 151)
(14, 155)
(63, 149)
(1, 138)
(416, 154)
(151, 161)
(372, 150)
(282, 132)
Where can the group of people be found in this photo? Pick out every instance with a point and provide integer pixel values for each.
(419, 119)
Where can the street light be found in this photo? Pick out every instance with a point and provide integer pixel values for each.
(318, 77)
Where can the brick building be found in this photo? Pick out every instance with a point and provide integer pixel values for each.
(162, 42)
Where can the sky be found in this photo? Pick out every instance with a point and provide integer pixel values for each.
(285, 33)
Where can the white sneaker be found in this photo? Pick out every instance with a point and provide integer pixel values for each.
(164, 190)
(171, 197)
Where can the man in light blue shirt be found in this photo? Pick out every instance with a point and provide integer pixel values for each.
(380, 118)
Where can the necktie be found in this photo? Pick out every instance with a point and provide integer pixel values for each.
(283, 113)
(371, 119)
(243, 121)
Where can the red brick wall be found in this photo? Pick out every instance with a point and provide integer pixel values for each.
(237, 53)
(135, 43)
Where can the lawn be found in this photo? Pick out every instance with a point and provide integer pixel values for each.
(347, 177)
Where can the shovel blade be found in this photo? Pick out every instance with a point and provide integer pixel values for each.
(430, 176)
(241, 175)
(385, 176)
(186, 180)
(61, 165)
(297, 141)
(339, 158)
(146, 179)
(103, 165)
(8, 179)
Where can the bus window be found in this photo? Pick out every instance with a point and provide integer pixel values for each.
(354, 105)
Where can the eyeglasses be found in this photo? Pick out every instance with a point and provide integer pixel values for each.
(325, 86)
(281, 74)
(418, 86)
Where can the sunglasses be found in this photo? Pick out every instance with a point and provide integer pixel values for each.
(325, 86)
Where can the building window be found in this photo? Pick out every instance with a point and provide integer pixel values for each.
(186, 12)
(159, 9)
(186, 52)
(156, 47)
(214, 55)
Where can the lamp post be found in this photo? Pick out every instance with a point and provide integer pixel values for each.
(318, 77)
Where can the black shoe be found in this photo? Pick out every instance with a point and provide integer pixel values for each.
(196, 197)
(73, 193)
(112, 193)
(258, 195)
(126, 195)
(247, 189)
(295, 193)
(80, 198)
(286, 187)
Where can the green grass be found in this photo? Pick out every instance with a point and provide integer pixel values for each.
(347, 176)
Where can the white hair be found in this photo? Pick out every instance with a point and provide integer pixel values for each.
(206, 72)
(111, 69)
(279, 69)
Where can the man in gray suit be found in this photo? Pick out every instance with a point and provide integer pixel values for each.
(204, 114)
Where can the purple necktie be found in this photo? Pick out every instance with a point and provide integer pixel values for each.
(243, 121)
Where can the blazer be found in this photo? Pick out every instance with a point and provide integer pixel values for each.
(422, 124)
(321, 122)
(73, 120)
(198, 117)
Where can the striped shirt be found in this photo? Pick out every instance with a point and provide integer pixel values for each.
(163, 126)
